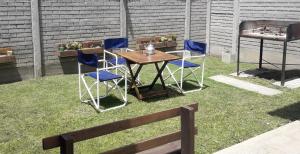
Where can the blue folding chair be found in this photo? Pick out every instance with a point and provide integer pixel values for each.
(192, 50)
(112, 45)
(101, 75)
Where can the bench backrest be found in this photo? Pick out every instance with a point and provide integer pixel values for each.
(186, 135)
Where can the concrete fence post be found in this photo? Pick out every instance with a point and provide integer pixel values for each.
(236, 22)
(123, 18)
(187, 29)
(208, 21)
(36, 39)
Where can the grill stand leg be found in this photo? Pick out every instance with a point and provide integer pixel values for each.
(283, 63)
(238, 57)
(261, 53)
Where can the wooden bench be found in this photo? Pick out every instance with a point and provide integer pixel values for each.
(177, 142)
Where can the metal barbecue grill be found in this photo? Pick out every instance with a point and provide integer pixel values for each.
(284, 31)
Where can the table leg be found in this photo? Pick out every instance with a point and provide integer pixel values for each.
(160, 76)
(134, 76)
(238, 57)
(159, 72)
(283, 63)
(261, 53)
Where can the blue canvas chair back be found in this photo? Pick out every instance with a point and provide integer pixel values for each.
(115, 43)
(87, 59)
(195, 46)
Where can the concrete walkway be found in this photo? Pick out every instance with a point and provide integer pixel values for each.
(246, 85)
(283, 140)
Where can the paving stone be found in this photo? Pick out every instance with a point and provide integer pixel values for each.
(246, 85)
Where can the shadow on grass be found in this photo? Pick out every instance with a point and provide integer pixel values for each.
(109, 102)
(172, 92)
(273, 74)
(291, 112)
(192, 85)
(154, 95)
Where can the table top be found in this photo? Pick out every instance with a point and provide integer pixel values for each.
(140, 57)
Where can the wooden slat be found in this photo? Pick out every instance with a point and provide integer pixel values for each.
(148, 144)
(169, 148)
(187, 126)
(67, 145)
(84, 134)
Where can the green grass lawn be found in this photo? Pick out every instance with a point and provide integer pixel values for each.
(34, 109)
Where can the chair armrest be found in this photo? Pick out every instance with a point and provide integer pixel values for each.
(129, 50)
(113, 67)
(110, 53)
(194, 57)
(178, 51)
(101, 60)
(200, 56)
(104, 62)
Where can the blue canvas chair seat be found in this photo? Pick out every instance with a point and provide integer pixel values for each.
(186, 64)
(121, 61)
(192, 50)
(103, 76)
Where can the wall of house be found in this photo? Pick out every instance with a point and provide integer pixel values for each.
(221, 26)
(15, 29)
(74, 20)
(156, 17)
(71, 20)
(15, 32)
(198, 20)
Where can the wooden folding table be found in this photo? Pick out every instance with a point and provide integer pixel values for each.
(140, 58)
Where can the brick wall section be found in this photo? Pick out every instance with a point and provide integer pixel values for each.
(221, 23)
(70, 20)
(156, 17)
(15, 29)
(271, 10)
(198, 20)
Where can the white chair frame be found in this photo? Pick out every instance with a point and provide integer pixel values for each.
(105, 53)
(88, 88)
(186, 54)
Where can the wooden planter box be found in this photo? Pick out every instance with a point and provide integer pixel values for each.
(159, 45)
(91, 44)
(7, 59)
(171, 44)
(4, 57)
(140, 43)
(73, 53)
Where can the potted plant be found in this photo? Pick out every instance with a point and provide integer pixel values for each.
(61, 47)
(73, 45)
